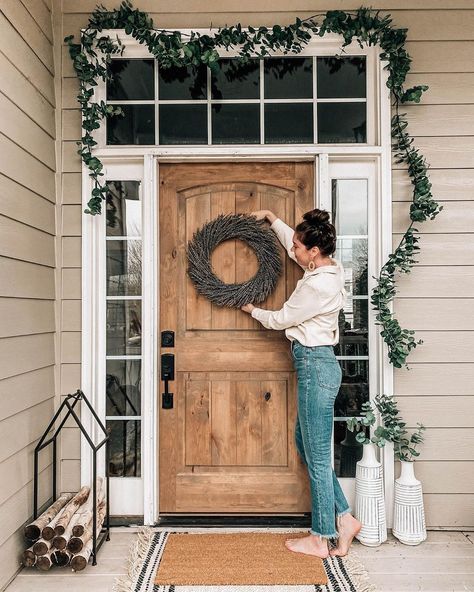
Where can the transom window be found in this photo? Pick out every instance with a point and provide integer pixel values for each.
(276, 100)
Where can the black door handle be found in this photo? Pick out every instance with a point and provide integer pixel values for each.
(167, 374)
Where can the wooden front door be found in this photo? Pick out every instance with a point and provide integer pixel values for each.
(227, 444)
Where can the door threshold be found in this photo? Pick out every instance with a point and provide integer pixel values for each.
(225, 520)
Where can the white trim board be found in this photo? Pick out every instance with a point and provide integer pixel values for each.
(144, 161)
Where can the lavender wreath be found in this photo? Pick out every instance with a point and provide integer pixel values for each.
(259, 238)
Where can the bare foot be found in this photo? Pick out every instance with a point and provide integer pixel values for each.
(348, 527)
(309, 545)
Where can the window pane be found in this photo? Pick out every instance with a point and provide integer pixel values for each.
(136, 126)
(352, 253)
(353, 329)
(341, 122)
(124, 327)
(341, 77)
(123, 387)
(354, 390)
(236, 81)
(133, 80)
(347, 451)
(182, 83)
(123, 208)
(125, 448)
(288, 124)
(124, 268)
(183, 124)
(288, 78)
(349, 205)
(235, 124)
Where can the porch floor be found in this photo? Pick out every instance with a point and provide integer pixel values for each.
(445, 562)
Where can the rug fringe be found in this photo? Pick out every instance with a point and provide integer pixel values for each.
(136, 556)
(358, 574)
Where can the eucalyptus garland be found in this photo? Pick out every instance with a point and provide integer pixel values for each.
(172, 48)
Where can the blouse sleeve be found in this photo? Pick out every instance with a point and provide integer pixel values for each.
(303, 304)
(285, 236)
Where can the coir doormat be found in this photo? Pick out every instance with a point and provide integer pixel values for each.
(237, 559)
(164, 561)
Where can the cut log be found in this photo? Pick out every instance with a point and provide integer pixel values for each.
(33, 530)
(80, 560)
(41, 547)
(70, 509)
(86, 509)
(29, 557)
(48, 531)
(44, 562)
(61, 541)
(60, 558)
(76, 544)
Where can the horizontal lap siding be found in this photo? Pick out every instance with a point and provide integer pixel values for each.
(436, 298)
(27, 263)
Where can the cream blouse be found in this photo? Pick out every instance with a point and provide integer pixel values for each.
(311, 313)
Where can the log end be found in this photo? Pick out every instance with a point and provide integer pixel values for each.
(59, 530)
(60, 558)
(40, 548)
(78, 530)
(47, 533)
(59, 542)
(32, 532)
(75, 545)
(43, 563)
(78, 563)
(29, 558)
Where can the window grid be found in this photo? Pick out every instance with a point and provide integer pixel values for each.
(261, 101)
(127, 357)
(345, 467)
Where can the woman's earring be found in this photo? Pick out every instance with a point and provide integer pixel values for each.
(311, 265)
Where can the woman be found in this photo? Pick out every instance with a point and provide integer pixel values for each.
(310, 320)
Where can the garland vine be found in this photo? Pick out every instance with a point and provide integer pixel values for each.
(170, 48)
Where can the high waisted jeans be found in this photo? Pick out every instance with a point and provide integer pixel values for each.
(319, 378)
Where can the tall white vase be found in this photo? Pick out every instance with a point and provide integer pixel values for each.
(409, 514)
(369, 499)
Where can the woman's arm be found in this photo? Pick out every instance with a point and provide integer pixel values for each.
(283, 231)
(264, 215)
(303, 304)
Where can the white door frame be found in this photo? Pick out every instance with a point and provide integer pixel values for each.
(93, 272)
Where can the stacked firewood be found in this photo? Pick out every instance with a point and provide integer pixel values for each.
(62, 535)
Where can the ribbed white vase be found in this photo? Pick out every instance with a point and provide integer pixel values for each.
(409, 514)
(369, 499)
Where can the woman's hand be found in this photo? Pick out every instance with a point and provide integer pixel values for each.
(264, 215)
(247, 308)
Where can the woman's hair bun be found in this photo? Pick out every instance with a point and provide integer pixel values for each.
(316, 217)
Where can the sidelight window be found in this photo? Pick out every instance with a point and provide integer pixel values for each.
(123, 327)
(350, 201)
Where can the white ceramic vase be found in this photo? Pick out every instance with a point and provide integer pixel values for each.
(409, 514)
(369, 499)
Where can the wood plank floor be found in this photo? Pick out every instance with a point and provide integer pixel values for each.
(444, 563)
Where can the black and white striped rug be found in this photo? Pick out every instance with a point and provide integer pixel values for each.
(344, 574)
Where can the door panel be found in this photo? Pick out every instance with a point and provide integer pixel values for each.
(227, 445)
(248, 423)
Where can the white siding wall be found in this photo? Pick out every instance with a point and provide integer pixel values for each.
(436, 299)
(27, 262)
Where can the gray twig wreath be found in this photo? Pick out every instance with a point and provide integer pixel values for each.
(245, 228)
